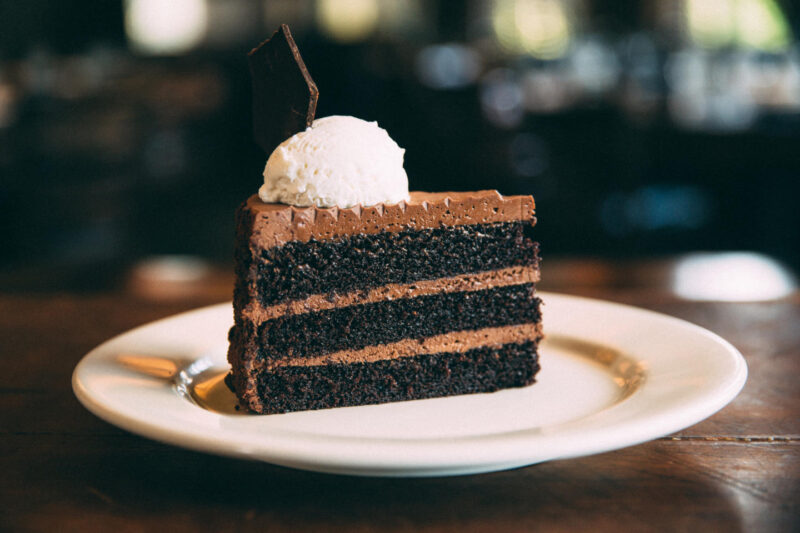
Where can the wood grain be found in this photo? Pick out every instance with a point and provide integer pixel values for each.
(63, 469)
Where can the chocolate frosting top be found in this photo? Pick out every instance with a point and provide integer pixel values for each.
(276, 224)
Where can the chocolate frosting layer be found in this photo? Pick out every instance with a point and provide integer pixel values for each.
(276, 224)
(257, 313)
(453, 342)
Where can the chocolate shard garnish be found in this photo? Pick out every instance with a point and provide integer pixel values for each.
(284, 95)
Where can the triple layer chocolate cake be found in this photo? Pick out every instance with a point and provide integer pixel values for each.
(349, 289)
(425, 298)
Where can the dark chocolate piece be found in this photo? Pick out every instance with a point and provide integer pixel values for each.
(284, 95)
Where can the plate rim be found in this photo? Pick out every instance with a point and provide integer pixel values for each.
(456, 455)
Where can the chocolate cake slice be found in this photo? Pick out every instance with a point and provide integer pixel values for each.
(337, 306)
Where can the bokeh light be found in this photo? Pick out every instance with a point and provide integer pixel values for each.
(757, 24)
(540, 28)
(732, 277)
(171, 27)
(348, 21)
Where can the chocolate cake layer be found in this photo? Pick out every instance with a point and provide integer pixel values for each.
(297, 270)
(484, 369)
(255, 312)
(355, 327)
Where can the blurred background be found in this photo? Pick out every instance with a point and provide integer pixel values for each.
(650, 132)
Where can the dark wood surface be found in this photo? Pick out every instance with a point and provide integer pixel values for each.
(63, 469)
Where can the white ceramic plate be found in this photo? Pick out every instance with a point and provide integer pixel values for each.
(612, 376)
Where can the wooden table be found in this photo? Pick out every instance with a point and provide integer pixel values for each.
(63, 469)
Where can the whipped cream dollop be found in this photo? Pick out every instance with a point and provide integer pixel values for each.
(337, 161)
